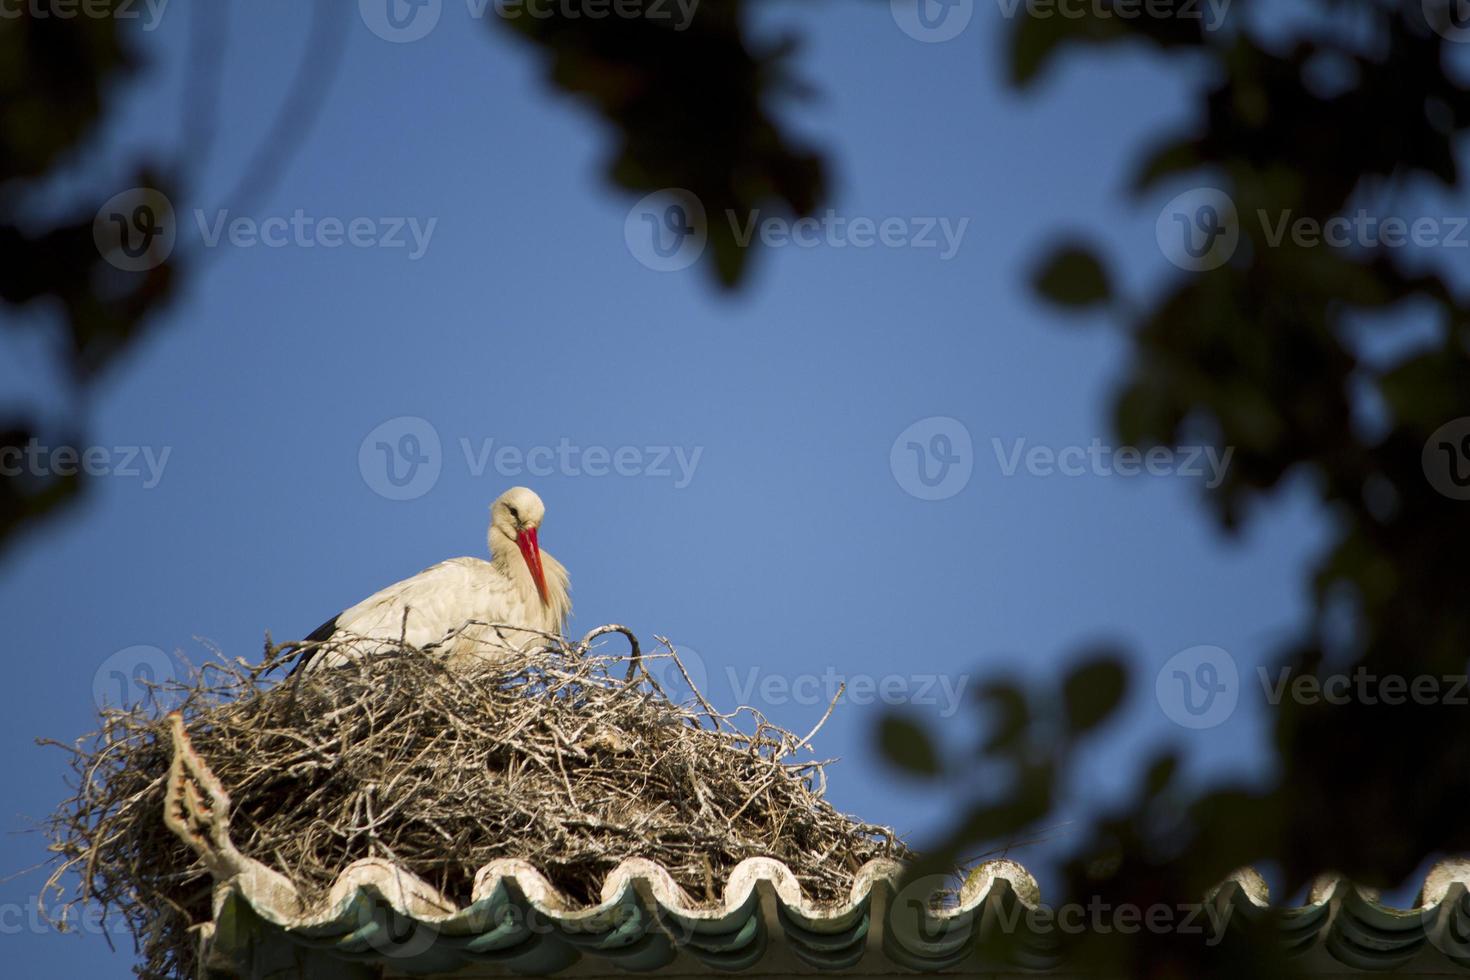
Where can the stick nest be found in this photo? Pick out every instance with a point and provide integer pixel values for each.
(563, 756)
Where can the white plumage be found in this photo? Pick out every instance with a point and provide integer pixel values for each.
(520, 586)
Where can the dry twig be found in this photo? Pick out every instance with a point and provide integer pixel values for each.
(545, 755)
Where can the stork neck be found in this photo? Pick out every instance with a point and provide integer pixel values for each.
(505, 555)
(503, 549)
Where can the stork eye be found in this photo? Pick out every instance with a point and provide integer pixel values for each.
(513, 513)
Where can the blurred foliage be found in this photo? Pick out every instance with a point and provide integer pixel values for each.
(1256, 354)
(691, 107)
(1073, 276)
(57, 77)
(907, 746)
(1259, 354)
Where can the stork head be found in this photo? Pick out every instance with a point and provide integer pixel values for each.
(516, 514)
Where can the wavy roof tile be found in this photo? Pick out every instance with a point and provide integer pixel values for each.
(378, 916)
(380, 920)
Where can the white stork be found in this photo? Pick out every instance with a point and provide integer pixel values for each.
(520, 586)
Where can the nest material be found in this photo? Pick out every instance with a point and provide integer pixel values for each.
(562, 756)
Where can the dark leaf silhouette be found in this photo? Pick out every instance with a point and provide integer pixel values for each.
(692, 108)
(1093, 691)
(1254, 354)
(907, 746)
(1073, 276)
(54, 87)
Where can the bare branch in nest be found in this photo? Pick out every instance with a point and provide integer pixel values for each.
(549, 755)
(196, 806)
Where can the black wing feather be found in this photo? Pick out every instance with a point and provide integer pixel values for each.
(319, 635)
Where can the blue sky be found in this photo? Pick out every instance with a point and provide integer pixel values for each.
(791, 552)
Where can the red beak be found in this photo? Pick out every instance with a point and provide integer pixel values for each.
(532, 553)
